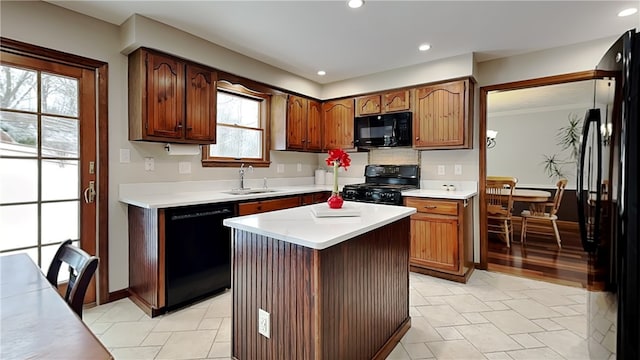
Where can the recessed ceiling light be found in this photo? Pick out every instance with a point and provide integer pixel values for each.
(322, 73)
(424, 47)
(354, 4)
(627, 12)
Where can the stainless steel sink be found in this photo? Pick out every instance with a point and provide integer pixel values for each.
(248, 191)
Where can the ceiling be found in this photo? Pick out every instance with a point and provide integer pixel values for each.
(303, 37)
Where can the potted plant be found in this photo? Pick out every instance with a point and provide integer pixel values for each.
(568, 138)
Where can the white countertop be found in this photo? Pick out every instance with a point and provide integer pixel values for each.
(173, 194)
(434, 189)
(301, 227)
(184, 198)
(442, 194)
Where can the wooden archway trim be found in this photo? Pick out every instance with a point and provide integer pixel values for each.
(484, 91)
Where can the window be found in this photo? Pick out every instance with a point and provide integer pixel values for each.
(242, 122)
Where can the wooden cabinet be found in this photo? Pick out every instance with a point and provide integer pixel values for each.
(397, 100)
(171, 99)
(315, 198)
(337, 117)
(442, 116)
(441, 238)
(304, 126)
(260, 206)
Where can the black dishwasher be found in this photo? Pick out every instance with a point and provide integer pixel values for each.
(198, 252)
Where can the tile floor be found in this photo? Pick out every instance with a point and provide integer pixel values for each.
(493, 316)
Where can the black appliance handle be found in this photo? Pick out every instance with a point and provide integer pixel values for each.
(197, 214)
(590, 225)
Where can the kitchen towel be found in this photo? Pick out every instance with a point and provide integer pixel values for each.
(320, 176)
(182, 149)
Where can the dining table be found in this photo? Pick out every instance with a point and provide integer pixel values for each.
(536, 198)
(35, 320)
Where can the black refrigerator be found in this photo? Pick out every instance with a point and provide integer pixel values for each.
(607, 192)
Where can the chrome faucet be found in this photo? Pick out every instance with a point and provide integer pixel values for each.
(242, 171)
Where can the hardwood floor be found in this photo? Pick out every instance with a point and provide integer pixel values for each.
(541, 258)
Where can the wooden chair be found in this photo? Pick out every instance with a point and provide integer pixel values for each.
(499, 192)
(82, 266)
(548, 215)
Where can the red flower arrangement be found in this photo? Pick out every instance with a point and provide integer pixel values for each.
(337, 158)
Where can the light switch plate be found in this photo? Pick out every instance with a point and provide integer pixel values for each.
(184, 167)
(299, 167)
(440, 169)
(264, 323)
(149, 164)
(125, 156)
(280, 168)
(457, 169)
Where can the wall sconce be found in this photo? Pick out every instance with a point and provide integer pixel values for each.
(491, 138)
(606, 130)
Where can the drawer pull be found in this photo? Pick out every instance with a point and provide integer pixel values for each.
(430, 207)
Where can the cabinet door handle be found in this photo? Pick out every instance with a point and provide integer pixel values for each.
(430, 207)
(179, 126)
(417, 138)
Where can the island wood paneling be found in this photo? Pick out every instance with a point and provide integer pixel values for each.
(349, 301)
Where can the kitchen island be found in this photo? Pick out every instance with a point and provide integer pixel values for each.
(333, 287)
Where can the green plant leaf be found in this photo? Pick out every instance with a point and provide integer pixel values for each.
(568, 137)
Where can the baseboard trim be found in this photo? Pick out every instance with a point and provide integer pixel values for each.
(117, 295)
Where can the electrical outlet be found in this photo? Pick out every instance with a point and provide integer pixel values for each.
(440, 169)
(457, 169)
(264, 323)
(184, 167)
(125, 156)
(149, 164)
(299, 167)
(280, 168)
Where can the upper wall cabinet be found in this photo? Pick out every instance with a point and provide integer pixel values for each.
(442, 116)
(171, 99)
(337, 118)
(304, 131)
(390, 101)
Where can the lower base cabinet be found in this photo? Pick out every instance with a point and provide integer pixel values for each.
(260, 206)
(148, 232)
(441, 238)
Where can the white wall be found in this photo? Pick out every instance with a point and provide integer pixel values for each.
(49, 26)
(458, 66)
(556, 61)
(524, 138)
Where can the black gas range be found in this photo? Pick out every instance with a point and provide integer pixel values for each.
(384, 184)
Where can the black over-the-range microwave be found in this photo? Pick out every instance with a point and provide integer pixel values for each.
(386, 130)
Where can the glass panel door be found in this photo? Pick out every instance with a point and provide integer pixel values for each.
(39, 161)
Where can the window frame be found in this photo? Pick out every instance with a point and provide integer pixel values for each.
(265, 120)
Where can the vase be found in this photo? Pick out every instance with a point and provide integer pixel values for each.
(335, 201)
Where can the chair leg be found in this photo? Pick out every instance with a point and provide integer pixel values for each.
(506, 233)
(555, 230)
(523, 230)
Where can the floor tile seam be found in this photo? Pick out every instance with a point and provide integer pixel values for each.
(530, 347)
(547, 347)
(494, 352)
(105, 330)
(470, 342)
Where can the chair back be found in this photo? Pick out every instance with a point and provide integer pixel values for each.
(82, 266)
(557, 197)
(499, 192)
